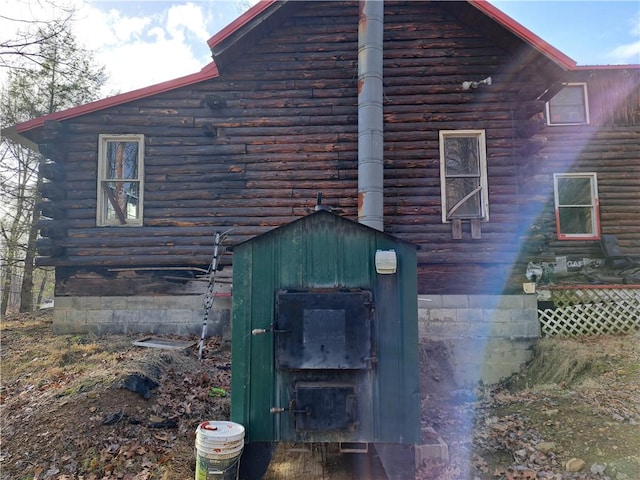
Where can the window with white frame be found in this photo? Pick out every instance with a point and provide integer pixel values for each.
(570, 106)
(576, 201)
(120, 180)
(463, 175)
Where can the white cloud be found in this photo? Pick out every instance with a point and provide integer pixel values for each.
(629, 52)
(142, 50)
(95, 28)
(158, 34)
(139, 43)
(187, 18)
(146, 63)
(127, 28)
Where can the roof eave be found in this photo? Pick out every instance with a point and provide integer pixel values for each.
(241, 22)
(232, 34)
(16, 132)
(630, 66)
(12, 134)
(245, 31)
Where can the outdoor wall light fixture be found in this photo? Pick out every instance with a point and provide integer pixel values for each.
(386, 262)
(468, 85)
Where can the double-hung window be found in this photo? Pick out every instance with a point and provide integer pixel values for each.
(120, 180)
(576, 201)
(570, 106)
(463, 175)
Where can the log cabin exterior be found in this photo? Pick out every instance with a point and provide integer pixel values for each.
(248, 143)
(603, 147)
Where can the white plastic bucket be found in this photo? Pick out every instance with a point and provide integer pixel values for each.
(218, 449)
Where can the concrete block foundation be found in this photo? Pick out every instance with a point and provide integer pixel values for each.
(489, 336)
(156, 315)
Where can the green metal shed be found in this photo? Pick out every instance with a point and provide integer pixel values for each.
(325, 348)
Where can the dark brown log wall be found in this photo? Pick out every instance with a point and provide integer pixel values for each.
(251, 149)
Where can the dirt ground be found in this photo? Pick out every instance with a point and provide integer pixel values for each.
(74, 407)
(572, 413)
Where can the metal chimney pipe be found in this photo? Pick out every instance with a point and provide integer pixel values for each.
(370, 121)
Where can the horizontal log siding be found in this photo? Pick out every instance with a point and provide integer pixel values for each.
(609, 146)
(614, 96)
(425, 65)
(617, 165)
(288, 130)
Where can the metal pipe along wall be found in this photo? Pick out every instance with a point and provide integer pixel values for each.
(370, 119)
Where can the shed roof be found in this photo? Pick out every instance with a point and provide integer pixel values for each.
(239, 31)
(324, 216)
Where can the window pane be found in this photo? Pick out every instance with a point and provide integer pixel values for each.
(462, 156)
(568, 114)
(574, 191)
(576, 206)
(122, 160)
(457, 189)
(122, 201)
(568, 106)
(571, 95)
(576, 220)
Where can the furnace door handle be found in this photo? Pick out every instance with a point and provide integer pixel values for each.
(262, 331)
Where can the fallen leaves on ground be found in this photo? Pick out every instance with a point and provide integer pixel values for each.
(585, 425)
(67, 416)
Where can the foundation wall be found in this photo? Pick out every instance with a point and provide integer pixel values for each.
(489, 336)
(156, 315)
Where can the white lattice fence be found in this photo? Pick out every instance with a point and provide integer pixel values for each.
(590, 310)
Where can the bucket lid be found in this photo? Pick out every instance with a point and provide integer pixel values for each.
(220, 431)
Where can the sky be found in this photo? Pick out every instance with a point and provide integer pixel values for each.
(142, 43)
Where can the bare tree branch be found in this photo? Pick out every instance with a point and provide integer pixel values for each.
(30, 32)
(47, 72)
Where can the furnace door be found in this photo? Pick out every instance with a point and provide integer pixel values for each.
(324, 330)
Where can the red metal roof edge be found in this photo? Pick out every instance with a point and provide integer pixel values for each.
(483, 5)
(243, 19)
(524, 33)
(620, 66)
(209, 71)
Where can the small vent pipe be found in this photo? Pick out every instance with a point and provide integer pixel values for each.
(370, 121)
